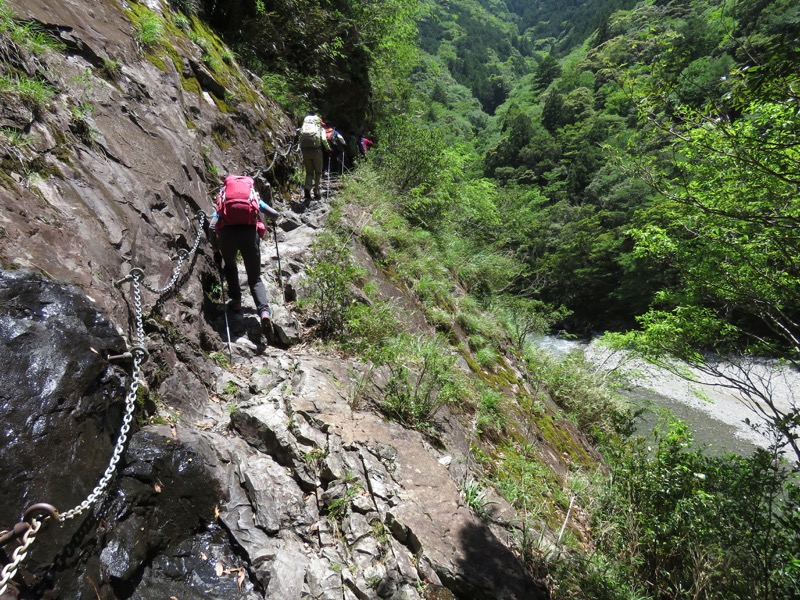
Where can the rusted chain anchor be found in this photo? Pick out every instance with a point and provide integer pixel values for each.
(34, 517)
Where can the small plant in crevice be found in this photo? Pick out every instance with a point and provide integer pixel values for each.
(315, 456)
(80, 125)
(231, 388)
(148, 30)
(211, 168)
(475, 497)
(220, 358)
(379, 531)
(15, 143)
(337, 508)
(33, 92)
(111, 68)
(28, 35)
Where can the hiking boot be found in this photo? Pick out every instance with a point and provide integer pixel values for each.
(307, 196)
(266, 323)
(235, 306)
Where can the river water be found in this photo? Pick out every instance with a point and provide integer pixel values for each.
(716, 415)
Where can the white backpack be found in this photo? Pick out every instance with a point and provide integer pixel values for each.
(310, 132)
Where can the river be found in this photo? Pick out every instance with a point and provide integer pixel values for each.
(716, 415)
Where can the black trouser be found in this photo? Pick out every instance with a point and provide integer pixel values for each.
(243, 239)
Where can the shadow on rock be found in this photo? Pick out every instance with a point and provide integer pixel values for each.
(491, 571)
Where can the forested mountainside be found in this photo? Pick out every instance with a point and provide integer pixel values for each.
(578, 167)
(488, 46)
(564, 132)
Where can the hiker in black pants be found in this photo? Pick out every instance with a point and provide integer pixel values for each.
(334, 156)
(228, 239)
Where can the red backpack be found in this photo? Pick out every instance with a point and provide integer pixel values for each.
(237, 202)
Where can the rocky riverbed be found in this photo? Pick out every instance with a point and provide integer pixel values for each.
(718, 415)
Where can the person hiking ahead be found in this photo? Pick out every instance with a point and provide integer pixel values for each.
(337, 145)
(236, 227)
(312, 143)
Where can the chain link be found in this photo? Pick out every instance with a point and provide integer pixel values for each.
(139, 356)
(182, 256)
(291, 147)
(18, 555)
(130, 404)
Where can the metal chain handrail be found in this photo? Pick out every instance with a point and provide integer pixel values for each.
(291, 147)
(19, 555)
(139, 354)
(182, 256)
(259, 171)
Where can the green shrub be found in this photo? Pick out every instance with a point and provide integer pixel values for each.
(410, 158)
(491, 418)
(584, 393)
(523, 478)
(487, 357)
(693, 525)
(476, 321)
(523, 317)
(421, 380)
(434, 292)
(369, 327)
(331, 276)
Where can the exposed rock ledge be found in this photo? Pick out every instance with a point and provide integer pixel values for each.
(294, 488)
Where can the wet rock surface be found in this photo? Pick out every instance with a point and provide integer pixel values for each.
(264, 479)
(60, 400)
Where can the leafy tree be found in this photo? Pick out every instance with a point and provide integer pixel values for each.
(553, 111)
(325, 50)
(547, 71)
(730, 221)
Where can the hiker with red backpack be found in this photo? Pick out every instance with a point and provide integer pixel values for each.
(364, 144)
(312, 143)
(337, 145)
(236, 227)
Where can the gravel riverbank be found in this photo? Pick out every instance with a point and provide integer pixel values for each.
(706, 395)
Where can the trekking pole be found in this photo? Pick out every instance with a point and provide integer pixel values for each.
(278, 253)
(328, 189)
(224, 300)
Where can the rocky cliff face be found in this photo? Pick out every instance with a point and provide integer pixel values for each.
(270, 478)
